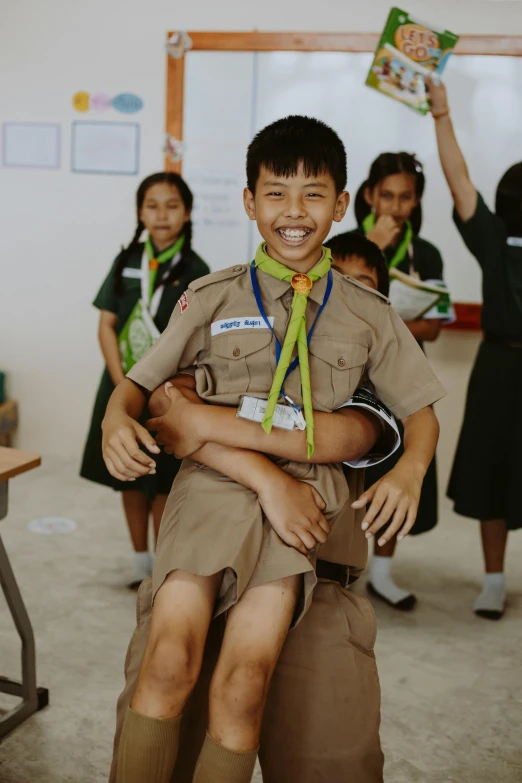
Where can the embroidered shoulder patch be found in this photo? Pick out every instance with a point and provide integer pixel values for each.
(183, 302)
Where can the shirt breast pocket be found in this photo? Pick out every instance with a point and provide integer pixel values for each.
(246, 355)
(336, 367)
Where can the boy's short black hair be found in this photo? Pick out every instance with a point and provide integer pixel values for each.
(286, 143)
(344, 246)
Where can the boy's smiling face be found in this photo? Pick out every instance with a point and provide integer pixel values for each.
(294, 214)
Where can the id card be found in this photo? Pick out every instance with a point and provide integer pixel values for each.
(254, 408)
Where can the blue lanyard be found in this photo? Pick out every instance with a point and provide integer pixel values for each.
(257, 294)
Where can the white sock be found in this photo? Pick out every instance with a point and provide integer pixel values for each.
(381, 579)
(493, 595)
(141, 567)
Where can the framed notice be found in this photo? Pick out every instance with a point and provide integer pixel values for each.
(34, 145)
(105, 147)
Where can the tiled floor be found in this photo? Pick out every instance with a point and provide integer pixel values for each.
(452, 683)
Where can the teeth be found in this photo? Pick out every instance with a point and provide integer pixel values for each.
(293, 233)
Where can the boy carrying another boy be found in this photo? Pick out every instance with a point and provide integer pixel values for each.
(217, 551)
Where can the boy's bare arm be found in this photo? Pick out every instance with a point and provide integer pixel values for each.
(292, 507)
(397, 494)
(342, 436)
(122, 434)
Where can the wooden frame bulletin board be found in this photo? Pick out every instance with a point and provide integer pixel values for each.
(468, 315)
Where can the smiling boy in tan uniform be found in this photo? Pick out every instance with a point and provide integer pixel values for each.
(296, 171)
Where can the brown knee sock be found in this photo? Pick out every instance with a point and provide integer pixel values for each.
(148, 749)
(217, 764)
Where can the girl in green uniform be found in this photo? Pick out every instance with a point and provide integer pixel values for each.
(158, 272)
(388, 210)
(485, 481)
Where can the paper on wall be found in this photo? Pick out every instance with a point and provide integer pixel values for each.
(105, 147)
(31, 145)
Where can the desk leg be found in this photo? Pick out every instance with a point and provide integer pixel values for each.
(33, 698)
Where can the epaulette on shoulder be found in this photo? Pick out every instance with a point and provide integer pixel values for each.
(353, 282)
(218, 277)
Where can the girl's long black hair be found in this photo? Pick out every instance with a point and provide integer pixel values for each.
(386, 165)
(508, 202)
(169, 178)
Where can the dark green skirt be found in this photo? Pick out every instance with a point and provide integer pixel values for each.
(93, 466)
(486, 479)
(427, 514)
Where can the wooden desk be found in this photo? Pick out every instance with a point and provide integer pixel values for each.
(12, 463)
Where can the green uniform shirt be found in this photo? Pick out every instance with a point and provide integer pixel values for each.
(486, 237)
(123, 304)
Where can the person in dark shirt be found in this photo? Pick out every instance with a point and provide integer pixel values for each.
(485, 481)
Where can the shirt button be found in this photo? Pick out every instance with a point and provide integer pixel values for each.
(236, 352)
(341, 362)
(238, 268)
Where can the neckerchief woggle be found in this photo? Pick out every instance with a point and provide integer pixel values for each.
(296, 333)
(402, 250)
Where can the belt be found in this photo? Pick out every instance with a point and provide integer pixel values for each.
(333, 571)
(504, 341)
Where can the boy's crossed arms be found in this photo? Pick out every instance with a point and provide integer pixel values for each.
(215, 437)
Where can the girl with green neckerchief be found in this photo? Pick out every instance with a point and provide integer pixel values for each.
(388, 210)
(136, 302)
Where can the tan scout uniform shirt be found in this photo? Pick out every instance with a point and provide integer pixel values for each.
(217, 327)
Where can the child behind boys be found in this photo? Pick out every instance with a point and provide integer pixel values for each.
(216, 550)
(358, 257)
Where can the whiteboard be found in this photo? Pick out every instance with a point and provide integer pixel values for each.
(229, 96)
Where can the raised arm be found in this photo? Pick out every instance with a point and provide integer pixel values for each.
(453, 163)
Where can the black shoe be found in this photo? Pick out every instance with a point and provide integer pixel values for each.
(405, 605)
(489, 614)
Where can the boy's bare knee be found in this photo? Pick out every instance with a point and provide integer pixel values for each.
(242, 687)
(172, 665)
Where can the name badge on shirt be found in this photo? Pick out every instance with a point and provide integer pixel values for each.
(254, 408)
(243, 322)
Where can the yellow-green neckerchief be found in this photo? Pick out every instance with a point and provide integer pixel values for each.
(402, 250)
(296, 333)
(156, 261)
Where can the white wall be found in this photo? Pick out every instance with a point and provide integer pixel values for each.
(60, 230)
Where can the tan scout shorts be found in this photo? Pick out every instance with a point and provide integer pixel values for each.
(213, 524)
(321, 723)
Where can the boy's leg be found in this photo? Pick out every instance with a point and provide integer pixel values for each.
(195, 714)
(256, 630)
(322, 716)
(180, 620)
